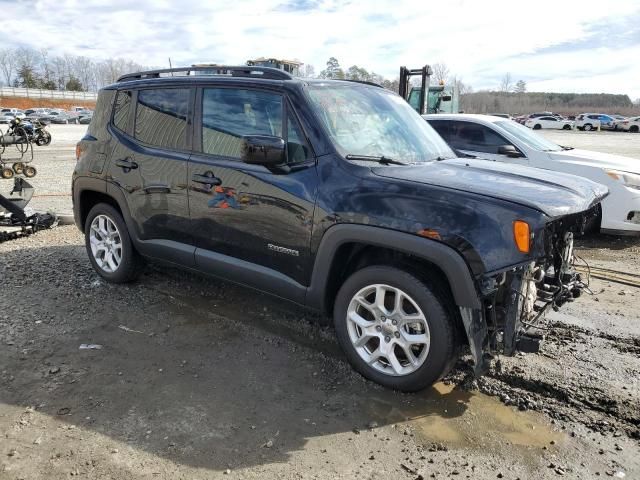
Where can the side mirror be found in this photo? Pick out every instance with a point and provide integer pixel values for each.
(446, 98)
(510, 151)
(264, 150)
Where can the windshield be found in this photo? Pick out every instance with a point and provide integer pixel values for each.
(375, 122)
(527, 136)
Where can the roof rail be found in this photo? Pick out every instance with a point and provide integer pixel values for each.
(223, 70)
(365, 82)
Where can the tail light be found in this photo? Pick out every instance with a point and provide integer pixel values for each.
(79, 150)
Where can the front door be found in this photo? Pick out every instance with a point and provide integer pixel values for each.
(244, 211)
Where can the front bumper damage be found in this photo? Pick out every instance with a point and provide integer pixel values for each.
(515, 300)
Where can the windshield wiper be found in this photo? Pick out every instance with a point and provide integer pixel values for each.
(373, 158)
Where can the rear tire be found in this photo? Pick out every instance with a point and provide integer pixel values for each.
(567, 127)
(588, 127)
(634, 129)
(537, 126)
(109, 245)
(423, 328)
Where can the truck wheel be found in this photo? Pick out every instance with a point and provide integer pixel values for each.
(109, 246)
(394, 328)
(29, 171)
(6, 173)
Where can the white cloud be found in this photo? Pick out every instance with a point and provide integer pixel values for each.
(479, 41)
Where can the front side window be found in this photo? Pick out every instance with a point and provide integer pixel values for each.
(297, 149)
(229, 114)
(442, 127)
(120, 110)
(527, 136)
(161, 117)
(475, 137)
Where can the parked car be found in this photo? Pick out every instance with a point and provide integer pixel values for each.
(61, 117)
(16, 112)
(6, 117)
(330, 194)
(592, 121)
(496, 139)
(85, 119)
(631, 124)
(548, 122)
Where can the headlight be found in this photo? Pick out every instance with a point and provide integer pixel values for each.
(631, 180)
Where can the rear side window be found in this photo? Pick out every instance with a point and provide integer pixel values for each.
(161, 117)
(228, 114)
(121, 110)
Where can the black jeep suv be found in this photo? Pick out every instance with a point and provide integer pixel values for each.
(336, 195)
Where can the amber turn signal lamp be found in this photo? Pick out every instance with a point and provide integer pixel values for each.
(522, 236)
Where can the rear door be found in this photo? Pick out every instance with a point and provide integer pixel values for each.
(149, 164)
(243, 211)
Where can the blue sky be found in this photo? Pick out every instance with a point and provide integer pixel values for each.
(585, 46)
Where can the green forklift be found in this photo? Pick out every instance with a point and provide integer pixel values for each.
(439, 98)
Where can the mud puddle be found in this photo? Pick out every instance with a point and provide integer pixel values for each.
(465, 419)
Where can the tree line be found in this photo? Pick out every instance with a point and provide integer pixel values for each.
(30, 68)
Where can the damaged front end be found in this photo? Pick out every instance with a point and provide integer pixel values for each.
(515, 300)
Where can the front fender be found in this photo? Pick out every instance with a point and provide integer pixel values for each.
(446, 258)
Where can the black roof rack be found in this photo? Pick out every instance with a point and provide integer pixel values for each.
(224, 70)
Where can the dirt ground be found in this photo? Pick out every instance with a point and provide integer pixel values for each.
(199, 379)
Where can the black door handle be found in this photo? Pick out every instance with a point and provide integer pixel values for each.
(157, 189)
(207, 178)
(126, 164)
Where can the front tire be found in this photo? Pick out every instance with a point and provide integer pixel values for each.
(537, 126)
(394, 329)
(588, 127)
(567, 127)
(109, 245)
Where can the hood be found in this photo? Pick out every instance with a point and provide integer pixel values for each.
(555, 194)
(597, 159)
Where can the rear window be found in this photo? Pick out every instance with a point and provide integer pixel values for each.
(161, 117)
(120, 110)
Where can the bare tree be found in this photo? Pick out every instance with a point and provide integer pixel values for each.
(7, 64)
(440, 72)
(506, 85)
(309, 71)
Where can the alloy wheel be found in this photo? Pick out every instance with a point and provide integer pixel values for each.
(388, 330)
(106, 243)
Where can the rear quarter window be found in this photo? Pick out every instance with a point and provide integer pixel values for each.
(121, 110)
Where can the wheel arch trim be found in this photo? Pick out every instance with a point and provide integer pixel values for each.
(446, 258)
